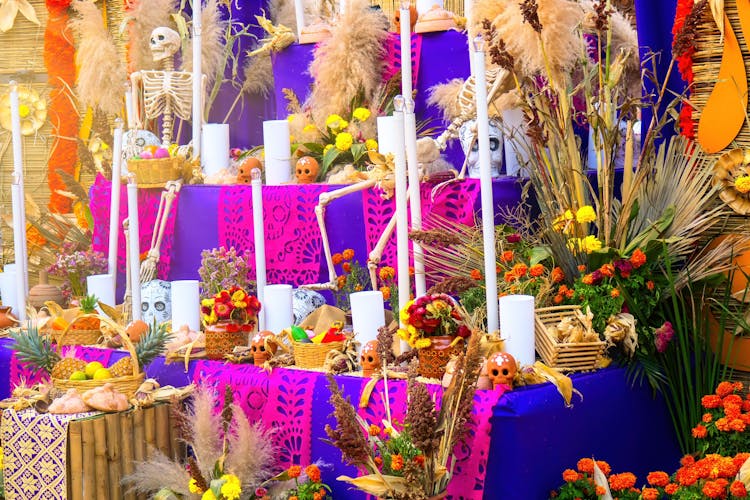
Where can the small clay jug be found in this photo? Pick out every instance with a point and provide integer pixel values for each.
(44, 292)
(6, 317)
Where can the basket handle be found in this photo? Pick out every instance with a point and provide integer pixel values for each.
(111, 328)
(70, 326)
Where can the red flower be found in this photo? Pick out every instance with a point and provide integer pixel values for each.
(724, 389)
(658, 478)
(699, 431)
(570, 476)
(650, 285)
(347, 267)
(650, 494)
(712, 489)
(419, 460)
(513, 238)
(711, 401)
(223, 311)
(638, 258)
(737, 489)
(294, 471)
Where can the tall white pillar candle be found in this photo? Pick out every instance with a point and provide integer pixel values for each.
(485, 182)
(19, 235)
(15, 117)
(402, 230)
(517, 327)
(415, 197)
(406, 87)
(197, 77)
(387, 134)
(259, 236)
(299, 14)
(8, 291)
(278, 307)
(215, 144)
(186, 305)
(368, 314)
(135, 248)
(114, 202)
(103, 287)
(129, 109)
(277, 152)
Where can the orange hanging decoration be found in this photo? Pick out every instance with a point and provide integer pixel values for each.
(59, 58)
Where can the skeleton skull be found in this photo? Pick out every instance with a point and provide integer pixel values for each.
(467, 133)
(156, 301)
(501, 368)
(164, 42)
(245, 169)
(306, 170)
(258, 347)
(370, 358)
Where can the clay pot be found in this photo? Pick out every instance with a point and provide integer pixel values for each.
(224, 336)
(258, 348)
(434, 359)
(6, 318)
(44, 292)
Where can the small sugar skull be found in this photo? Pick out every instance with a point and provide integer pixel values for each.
(501, 368)
(306, 170)
(467, 134)
(245, 169)
(156, 301)
(370, 358)
(164, 42)
(258, 347)
(304, 302)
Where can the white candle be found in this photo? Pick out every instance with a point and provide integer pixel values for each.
(468, 8)
(277, 152)
(485, 176)
(135, 248)
(215, 143)
(517, 327)
(402, 230)
(19, 235)
(368, 314)
(387, 134)
(114, 202)
(406, 89)
(342, 7)
(103, 287)
(299, 13)
(277, 304)
(129, 109)
(8, 291)
(186, 305)
(15, 117)
(197, 78)
(415, 199)
(259, 236)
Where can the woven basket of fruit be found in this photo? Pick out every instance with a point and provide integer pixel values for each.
(83, 329)
(155, 172)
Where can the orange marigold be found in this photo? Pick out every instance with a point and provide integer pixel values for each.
(723, 424)
(313, 473)
(509, 277)
(387, 273)
(638, 258)
(737, 489)
(348, 254)
(341, 281)
(318, 496)
(378, 461)
(724, 389)
(557, 275)
(294, 471)
(411, 270)
(507, 256)
(419, 460)
(607, 270)
(520, 270)
(569, 294)
(570, 476)
(476, 274)
(536, 270)
(737, 425)
(337, 259)
(711, 401)
(600, 491)
(586, 465)
(650, 285)
(671, 489)
(558, 299)
(738, 386)
(658, 478)
(386, 291)
(347, 267)
(588, 279)
(397, 462)
(604, 467)
(713, 490)
(650, 494)
(374, 430)
(733, 411)
(732, 399)
(740, 458)
(614, 293)
(700, 431)
(622, 481)
(581, 267)
(707, 417)
(746, 405)
(294, 497)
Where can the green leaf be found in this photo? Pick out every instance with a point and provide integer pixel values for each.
(216, 485)
(358, 151)
(314, 147)
(653, 232)
(328, 159)
(539, 254)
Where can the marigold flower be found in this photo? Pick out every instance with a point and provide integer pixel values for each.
(707, 417)
(737, 425)
(557, 275)
(378, 461)
(476, 274)
(604, 467)
(208, 495)
(397, 462)
(558, 299)
(536, 270)
(570, 476)
(700, 431)
(650, 494)
(371, 145)
(581, 267)
(386, 291)
(569, 294)
(327, 148)
(361, 114)
(318, 496)
(711, 401)
(387, 273)
(348, 254)
(658, 478)
(733, 411)
(600, 490)
(737, 489)
(313, 473)
(588, 279)
(347, 267)
(341, 281)
(607, 270)
(419, 460)
(724, 389)
(712, 489)
(638, 258)
(585, 465)
(622, 481)
(333, 121)
(614, 293)
(193, 487)
(423, 343)
(650, 285)
(337, 258)
(671, 488)
(293, 497)
(344, 141)
(585, 214)
(520, 270)
(373, 430)
(742, 184)
(294, 471)
(507, 256)
(508, 277)
(411, 271)
(591, 244)
(723, 424)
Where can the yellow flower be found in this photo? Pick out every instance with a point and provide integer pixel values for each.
(344, 141)
(591, 243)
(568, 215)
(371, 145)
(208, 495)
(327, 148)
(334, 122)
(585, 214)
(742, 184)
(231, 489)
(239, 295)
(193, 487)
(574, 244)
(422, 343)
(291, 118)
(208, 302)
(361, 114)
(404, 313)
(210, 318)
(403, 334)
(309, 128)
(291, 139)
(24, 110)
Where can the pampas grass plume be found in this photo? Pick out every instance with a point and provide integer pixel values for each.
(251, 455)
(445, 97)
(157, 472)
(145, 16)
(205, 425)
(101, 74)
(213, 43)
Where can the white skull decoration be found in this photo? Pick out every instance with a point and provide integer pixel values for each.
(156, 301)
(304, 302)
(467, 133)
(164, 42)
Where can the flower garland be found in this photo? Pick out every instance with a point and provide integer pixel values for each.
(59, 54)
(685, 66)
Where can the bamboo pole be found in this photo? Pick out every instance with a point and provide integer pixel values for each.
(126, 446)
(112, 421)
(162, 428)
(89, 467)
(75, 461)
(173, 441)
(139, 442)
(100, 455)
(150, 430)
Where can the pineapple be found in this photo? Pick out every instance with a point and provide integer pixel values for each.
(34, 349)
(150, 345)
(88, 306)
(68, 365)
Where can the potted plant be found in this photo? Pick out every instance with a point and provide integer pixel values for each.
(229, 317)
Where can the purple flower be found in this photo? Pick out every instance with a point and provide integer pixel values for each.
(513, 238)
(260, 491)
(663, 336)
(597, 277)
(624, 267)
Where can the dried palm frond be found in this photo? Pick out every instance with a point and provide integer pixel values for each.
(101, 76)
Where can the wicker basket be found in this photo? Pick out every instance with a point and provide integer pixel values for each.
(75, 336)
(127, 384)
(313, 355)
(575, 356)
(221, 339)
(156, 172)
